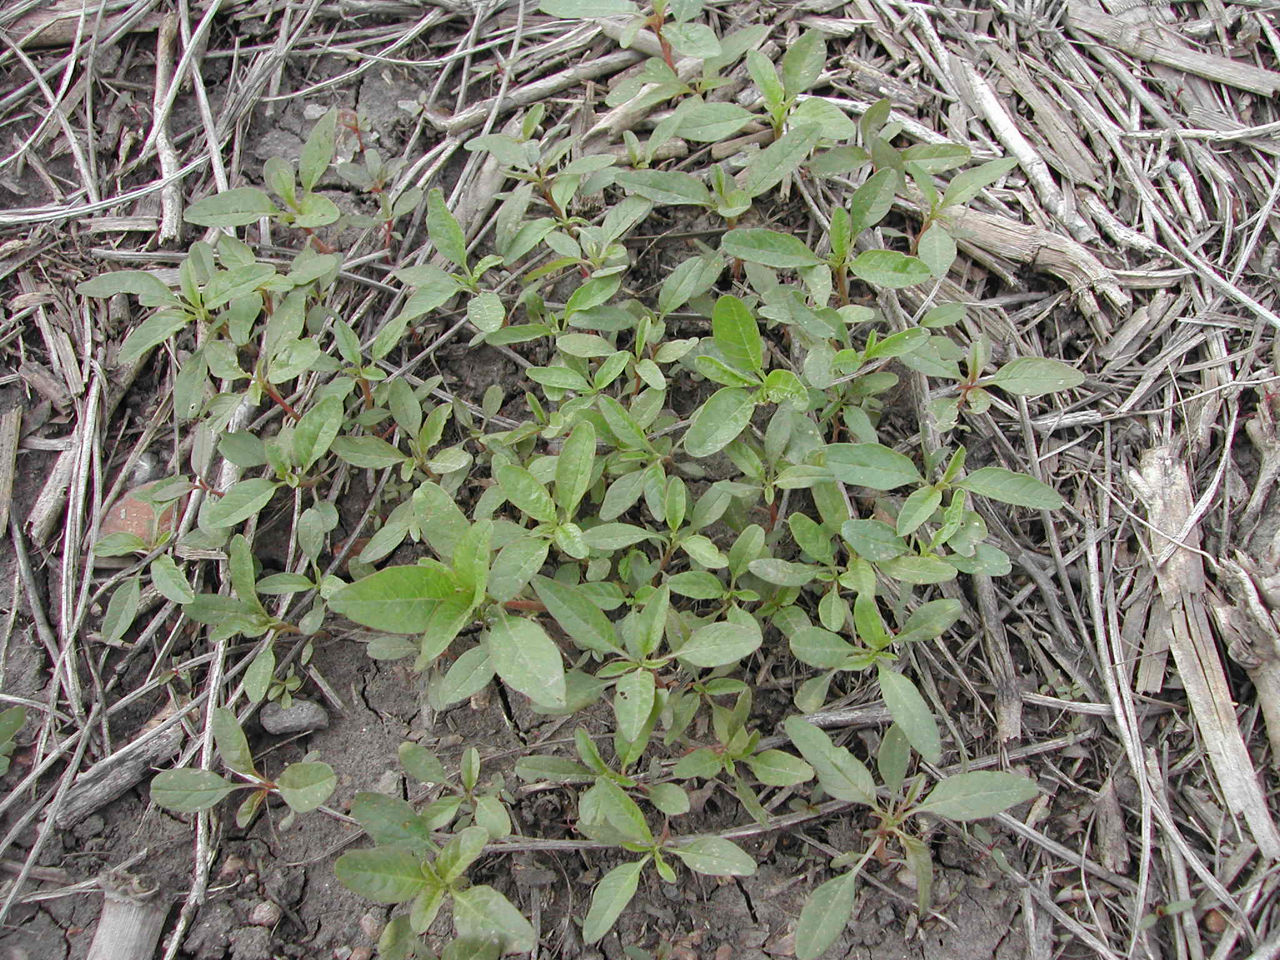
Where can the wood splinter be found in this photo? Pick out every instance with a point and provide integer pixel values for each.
(131, 920)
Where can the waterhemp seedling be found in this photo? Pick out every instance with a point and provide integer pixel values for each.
(694, 473)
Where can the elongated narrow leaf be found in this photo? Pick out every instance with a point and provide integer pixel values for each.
(238, 504)
(1035, 376)
(233, 748)
(870, 465)
(633, 697)
(768, 247)
(395, 599)
(527, 660)
(582, 620)
(383, 875)
(889, 268)
(737, 334)
(824, 916)
(668, 187)
(982, 793)
(444, 230)
(574, 467)
(717, 423)
(527, 492)
(715, 857)
(186, 790)
(1009, 487)
(841, 774)
(768, 167)
(231, 208)
(717, 644)
(911, 713)
(610, 898)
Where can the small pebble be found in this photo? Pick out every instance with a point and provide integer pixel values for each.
(371, 925)
(302, 716)
(264, 914)
(362, 953)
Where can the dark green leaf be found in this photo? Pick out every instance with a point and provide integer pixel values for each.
(982, 793)
(1009, 487)
(383, 875)
(768, 247)
(911, 713)
(610, 898)
(187, 790)
(231, 208)
(396, 599)
(718, 422)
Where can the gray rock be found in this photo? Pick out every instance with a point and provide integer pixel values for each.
(302, 716)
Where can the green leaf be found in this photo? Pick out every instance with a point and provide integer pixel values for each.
(911, 713)
(610, 898)
(824, 915)
(304, 786)
(936, 250)
(147, 287)
(241, 501)
(588, 9)
(965, 186)
(462, 850)
(574, 467)
(917, 509)
(316, 431)
(782, 573)
(554, 769)
(383, 875)
(1009, 487)
(709, 122)
(231, 208)
(841, 774)
(467, 677)
(486, 312)
(527, 660)
(768, 167)
(187, 790)
(937, 157)
(233, 748)
(982, 793)
(873, 540)
(443, 229)
(693, 40)
(870, 465)
(11, 722)
(633, 702)
(121, 609)
(872, 201)
(371, 453)
(514, 565)
(820, 648)
(669, 799)
(718, 422)
(768, 247)
(930, 620)
(737, 334)
(918, 570)
(482, 913)
(715, 857)
(395, 599)
(421, 764)
(1035, 376)
(717, 644)
(317, 152)
(667, 186)
(257, 678)
(391, 821)
(889, 268)
(526, 492)
(803, 62)
(150, 333)
(777, 768)
(581, 619)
